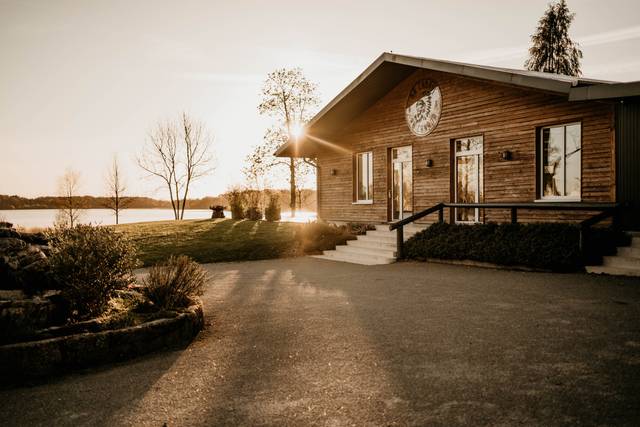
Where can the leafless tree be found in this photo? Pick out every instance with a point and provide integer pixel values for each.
(68, 187)
(116, 187)
(178, 154)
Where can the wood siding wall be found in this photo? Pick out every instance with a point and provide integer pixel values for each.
(507, 117)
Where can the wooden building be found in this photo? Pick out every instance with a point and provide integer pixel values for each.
(410, 132)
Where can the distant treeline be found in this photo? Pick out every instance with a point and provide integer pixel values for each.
(89, 202)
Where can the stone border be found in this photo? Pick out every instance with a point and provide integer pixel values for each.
(28, 360)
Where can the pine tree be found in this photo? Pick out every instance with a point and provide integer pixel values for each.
(553, 51)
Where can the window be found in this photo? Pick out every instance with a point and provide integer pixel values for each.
(469, 177)
(364, 177)
(560, 170)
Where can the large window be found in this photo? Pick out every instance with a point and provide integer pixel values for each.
(364, 177)
(560, 171)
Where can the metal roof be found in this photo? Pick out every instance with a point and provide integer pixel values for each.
(389, 69)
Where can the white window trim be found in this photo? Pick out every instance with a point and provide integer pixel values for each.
(540, 161)
(359, 201)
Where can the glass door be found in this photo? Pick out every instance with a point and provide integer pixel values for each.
(468, 170)
(401, 183)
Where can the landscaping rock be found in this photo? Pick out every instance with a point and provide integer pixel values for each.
(23, 260)
(11, 245)
(9, 232)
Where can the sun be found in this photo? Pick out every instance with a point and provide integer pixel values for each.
(297, 130)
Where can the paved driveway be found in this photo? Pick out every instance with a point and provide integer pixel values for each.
(307, 341)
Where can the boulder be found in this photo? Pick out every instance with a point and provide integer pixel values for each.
(9, 232)
(23, 261)
(11, 245)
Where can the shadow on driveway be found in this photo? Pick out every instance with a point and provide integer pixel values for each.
(306, 341)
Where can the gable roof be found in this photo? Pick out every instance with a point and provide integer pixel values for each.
(389, 69)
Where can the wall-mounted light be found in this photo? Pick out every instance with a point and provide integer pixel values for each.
(334, 172)
(506, 155)
(429, 163)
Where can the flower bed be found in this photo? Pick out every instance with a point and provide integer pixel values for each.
(28, 360)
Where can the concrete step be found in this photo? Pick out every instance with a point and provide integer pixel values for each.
(409, 227)
(635, 242)
(391, 234)
(622, 261)
(390, 239)
(367, 250)
(372, 244)
(633, 233)
(364, 259)
(614, 271)
(629, 252)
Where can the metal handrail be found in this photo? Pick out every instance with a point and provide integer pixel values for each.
(607, 210)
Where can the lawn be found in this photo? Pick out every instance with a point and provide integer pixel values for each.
(214, 240)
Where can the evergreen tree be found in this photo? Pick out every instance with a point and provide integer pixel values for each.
(553, 51)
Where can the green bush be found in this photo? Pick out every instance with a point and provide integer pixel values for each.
(549, 246)
(253, 213)
(272, 212)
(316, 237)
(236, 199)
(359, 228)
(90, 264)
(172, 285)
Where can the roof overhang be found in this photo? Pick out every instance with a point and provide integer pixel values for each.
(605, 91)
(387, 71)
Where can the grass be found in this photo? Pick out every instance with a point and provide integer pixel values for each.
(213, 240)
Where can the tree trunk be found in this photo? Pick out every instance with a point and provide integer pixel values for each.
(292, 182)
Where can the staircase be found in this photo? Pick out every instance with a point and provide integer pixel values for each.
(376, 247)
(626, 262)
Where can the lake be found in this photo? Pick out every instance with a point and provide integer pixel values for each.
(43, 218)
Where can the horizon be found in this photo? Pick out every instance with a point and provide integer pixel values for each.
(85, 81)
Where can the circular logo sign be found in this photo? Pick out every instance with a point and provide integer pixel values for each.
(423, 107)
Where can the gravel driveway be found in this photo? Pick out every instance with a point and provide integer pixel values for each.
(306, 341)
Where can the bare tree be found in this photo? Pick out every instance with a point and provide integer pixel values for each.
(116, 201)
(178, 154)
(288, 97)
(68, 187)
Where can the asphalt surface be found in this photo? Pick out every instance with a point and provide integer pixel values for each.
(312, 342)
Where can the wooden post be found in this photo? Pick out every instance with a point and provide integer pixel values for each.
(514, 215)
(581, 239)
(399, 242)
(441, 214)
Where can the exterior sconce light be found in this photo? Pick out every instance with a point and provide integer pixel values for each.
(506, 155)
(429, 163)
(334, 172)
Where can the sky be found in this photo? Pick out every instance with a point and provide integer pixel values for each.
(84, 80)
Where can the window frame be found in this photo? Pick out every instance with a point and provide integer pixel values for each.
(479, 156)
(356, 181)
(540, 164)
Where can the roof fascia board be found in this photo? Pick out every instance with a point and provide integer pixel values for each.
(485, 73)
(605, 91)
(370, 69)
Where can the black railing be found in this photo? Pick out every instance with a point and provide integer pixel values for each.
(607, 210)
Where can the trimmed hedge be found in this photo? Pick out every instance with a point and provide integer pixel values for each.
(549, 246)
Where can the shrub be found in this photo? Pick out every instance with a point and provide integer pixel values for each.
(90, 264)
(236, 199)
(253, 213)
(173, 285)
(549, 246)
(316, 237)
(272, 212)
(359, 228)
